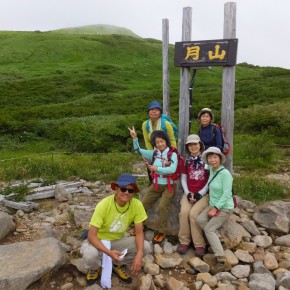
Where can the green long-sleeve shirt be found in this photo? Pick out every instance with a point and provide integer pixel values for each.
(220, 189)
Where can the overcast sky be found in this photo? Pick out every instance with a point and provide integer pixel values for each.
(263, 26)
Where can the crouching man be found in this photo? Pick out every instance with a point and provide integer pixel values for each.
(103, 251)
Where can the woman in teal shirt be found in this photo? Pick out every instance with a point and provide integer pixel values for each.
(221, 204)
(162, 168)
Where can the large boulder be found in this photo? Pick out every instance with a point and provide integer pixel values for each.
(152, 221)
(23, 263)
(274, 216)
(7, 225)
(232, 234)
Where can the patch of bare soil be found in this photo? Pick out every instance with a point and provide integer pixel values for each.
(69, 274)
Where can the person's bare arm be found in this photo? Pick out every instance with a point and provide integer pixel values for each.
(137, 262)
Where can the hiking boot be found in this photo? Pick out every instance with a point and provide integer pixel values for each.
(120, 272)
(182, 249)
(93, 276)
(222, 265)
(159, 238)
(199, 251)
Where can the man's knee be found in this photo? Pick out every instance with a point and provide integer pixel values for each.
(89, 253)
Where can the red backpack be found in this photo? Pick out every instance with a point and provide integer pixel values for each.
(174, 176)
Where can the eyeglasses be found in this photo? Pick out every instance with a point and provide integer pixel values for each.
(130, 190)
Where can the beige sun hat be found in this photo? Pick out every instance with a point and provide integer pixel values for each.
(193, 138)
(206, 110)
(213, 150)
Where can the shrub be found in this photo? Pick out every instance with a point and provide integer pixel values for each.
(256, 152)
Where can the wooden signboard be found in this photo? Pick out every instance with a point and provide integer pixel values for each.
(220, 52)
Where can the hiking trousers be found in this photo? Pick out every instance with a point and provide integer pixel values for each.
(92, 257)
(210, 225)
(189, 230)
(152, 195)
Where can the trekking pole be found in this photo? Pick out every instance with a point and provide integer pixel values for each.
(144, 159)
(190, 97)
(147, 165)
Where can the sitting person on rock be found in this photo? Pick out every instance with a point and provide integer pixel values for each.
(194, 176)
(220, 207)
(106, 240)
(161, 168)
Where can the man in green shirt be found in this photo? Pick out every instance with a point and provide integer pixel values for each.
(106, 237)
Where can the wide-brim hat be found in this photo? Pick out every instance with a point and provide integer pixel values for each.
(125, 180)
(213, 150)
(206, 110)
(193, 138)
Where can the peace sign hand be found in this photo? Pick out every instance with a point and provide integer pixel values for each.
(132, 131)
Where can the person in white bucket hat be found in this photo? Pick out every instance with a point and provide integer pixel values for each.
(221, 205)
(194, 176)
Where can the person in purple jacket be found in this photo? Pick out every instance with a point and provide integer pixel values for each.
(209, 134)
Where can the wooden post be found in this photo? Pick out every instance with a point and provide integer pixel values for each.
(165, 56)
(228, 92)
(184, 85)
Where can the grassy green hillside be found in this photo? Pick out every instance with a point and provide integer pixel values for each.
(73, 90)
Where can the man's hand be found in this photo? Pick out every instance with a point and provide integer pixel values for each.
(137, 263)
(115, 255)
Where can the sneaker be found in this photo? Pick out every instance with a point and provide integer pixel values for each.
(93, 276)
(159, 238)
(199, 251)
(222, 265)
(120, 272)
(182, 249)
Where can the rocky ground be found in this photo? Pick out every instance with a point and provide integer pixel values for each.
(257, 240)
(65, 218)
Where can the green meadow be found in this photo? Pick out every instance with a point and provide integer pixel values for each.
(68, 96)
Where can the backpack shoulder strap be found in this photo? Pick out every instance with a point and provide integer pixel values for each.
(170, 152)
(147, 126)
(214, 128)
(163, 125)
(215, 175)
(187, 161)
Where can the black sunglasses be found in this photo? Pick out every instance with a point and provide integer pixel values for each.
(130, 190)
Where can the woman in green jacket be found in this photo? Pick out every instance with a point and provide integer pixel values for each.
(221, 204)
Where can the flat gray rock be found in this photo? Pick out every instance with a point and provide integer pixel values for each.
(23, 263)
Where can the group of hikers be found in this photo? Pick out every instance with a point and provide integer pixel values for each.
(205, 205)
